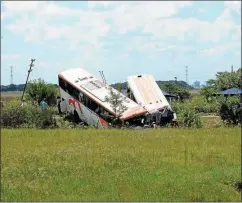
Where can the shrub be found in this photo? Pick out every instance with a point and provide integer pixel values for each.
(231, 111)
(37, 118)
(30, 116)
(187, 116)
(38, 89)
(12, 115)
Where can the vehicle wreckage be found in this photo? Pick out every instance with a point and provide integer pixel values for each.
(84, 97)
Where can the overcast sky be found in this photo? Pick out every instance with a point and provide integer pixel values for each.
(120, 38)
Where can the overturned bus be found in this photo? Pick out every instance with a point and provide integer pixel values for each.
(144, 90)
(84, 96)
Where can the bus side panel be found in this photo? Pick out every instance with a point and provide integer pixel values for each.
(84, 113)
(91, 118)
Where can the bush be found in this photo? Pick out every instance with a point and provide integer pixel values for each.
(12, 115)
(37, 118)
(187, 116)
(231, 111)
(38, 89)
(30, 116)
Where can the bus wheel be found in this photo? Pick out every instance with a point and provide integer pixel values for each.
(76, 117)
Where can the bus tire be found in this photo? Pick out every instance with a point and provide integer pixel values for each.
(76, 117)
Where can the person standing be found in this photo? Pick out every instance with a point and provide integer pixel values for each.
(43, 104)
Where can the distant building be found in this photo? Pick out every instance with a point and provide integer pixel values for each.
(231, 92)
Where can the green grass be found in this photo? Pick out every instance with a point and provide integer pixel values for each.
(120, 165)
(212, 121)
(12, 94)
(7, 97)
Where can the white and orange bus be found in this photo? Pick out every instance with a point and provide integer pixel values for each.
(83, 96)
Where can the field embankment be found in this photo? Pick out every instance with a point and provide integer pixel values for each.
(121, 165)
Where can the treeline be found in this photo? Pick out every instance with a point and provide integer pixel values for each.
(13, 87)
(181, 84)
(20, 87)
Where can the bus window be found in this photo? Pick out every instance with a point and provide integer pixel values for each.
(75, 93)
(62, 84)
(70, 89)
(81, 97)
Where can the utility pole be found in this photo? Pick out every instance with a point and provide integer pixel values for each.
(11, 75)
(186, 75)
(30, 69)
(232, 69)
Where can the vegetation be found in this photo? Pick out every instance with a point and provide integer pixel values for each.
(13, 87)
(116, 101)
(212, 122)
(173, 88)
(187, 115)
(121, 165)
(20, 87)
(181, 84)
(231, 111)
(227, 80)
(14, 115)
(197, 84)
(223, 81)
(209, 90)
(229, 108)
(38, 89)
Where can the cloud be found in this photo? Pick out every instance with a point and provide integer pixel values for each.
(21, 6)
(233, 5)
(42, 64)
(52, 10)
(220, 50)
(102, 4)
(3, 15)
(9, 57)
(201, 10)
(90, 30)
(130, 17)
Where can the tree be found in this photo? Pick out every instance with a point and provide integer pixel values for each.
(173, 88)
(227, 80)
(209, 89)
(170, 87)
(197, 84)
(38, 89)
(116, 101)
(231, 111)
(223, 81)
(119, 87)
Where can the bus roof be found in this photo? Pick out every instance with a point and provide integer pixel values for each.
(96, 90)
(147, 93)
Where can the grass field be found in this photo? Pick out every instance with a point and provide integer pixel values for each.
(11, 94)
(8, 96)
(120, 165)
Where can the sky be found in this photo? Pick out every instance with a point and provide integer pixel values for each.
(121, 38)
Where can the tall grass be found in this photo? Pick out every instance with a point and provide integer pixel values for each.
(121, 165)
